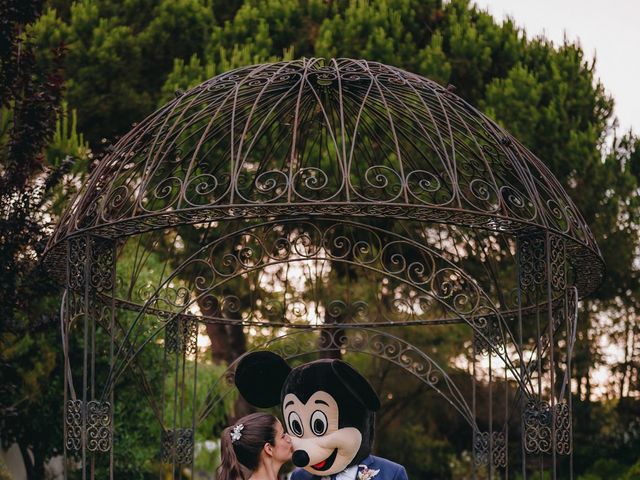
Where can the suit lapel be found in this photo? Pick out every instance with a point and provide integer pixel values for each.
(367, 461)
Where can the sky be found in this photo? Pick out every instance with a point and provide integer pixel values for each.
(609, 30)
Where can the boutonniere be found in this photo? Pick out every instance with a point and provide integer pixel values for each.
(365, 473)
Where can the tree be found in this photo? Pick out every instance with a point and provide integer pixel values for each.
(30, 101)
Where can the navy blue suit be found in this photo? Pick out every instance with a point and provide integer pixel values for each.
(388, 470)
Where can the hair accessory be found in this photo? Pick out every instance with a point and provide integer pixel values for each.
(236, 433)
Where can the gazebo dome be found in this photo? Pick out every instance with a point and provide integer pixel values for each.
(317, 137)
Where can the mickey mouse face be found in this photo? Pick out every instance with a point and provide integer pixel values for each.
(320, 446)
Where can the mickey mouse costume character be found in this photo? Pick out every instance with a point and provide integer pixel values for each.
(328, 409)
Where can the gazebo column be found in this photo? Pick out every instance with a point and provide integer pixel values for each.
(177, 439)
(546, 415)
(88, 423)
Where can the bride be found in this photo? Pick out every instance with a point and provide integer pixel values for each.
(257, 442)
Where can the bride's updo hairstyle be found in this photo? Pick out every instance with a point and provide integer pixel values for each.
(242, 443)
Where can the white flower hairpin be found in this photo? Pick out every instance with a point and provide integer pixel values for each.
(366, 473)
(236, 433)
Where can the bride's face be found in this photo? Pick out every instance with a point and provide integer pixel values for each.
(282, 449)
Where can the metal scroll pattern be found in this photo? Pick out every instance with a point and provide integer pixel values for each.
(177, 446)
(93, 257)
(534, 269)
(74, 413)
(490, 339)
(326, 163)
(496, 449)
(362, 340)
(102, 256)
(267, 140)
(539, 419)
(97, 416)
(532, 262)
(77, 260)
(563, 428)
(98, 426)
(181, 336)
(439, 282)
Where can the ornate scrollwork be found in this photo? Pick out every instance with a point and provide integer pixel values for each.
(98, 426)
(181, 336)
(373, 342)
(489, 339)
(76, 261)
(539, 419)
(329, 166)
(532, 262)
(558, 262)
(73, 415)
(497, 448)
(440, 282)
(177, 446)
(95, 254)
(404, 147)
(97, 416)
(563, 428)
(102, 264)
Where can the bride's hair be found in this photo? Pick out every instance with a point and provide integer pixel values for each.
(242, 446)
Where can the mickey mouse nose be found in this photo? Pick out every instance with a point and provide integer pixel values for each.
(300, 458)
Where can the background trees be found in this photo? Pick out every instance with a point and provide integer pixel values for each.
(114, 62)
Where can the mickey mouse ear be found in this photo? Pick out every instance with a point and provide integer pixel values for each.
(356, 384)
(260, 377)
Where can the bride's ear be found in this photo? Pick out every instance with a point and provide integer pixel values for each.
(268, 449)
(260, 376)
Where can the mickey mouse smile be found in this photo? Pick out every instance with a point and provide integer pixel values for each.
(327, 463)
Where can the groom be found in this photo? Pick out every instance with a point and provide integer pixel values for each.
(328, 410)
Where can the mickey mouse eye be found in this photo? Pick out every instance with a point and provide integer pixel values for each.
(319, 423)
(295, 424)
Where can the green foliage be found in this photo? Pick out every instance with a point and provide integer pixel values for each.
(605, 468)
(433, 62)
(30, 97)
(119, 53)
(633, 473)
(515, 101)
(422, 455)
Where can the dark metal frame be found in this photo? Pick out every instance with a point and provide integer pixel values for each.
(310, 165)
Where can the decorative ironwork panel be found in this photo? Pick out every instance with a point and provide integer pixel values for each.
(177, 445)
(557, 255)
(532, 262)
(563, 428)
(181, 336)
(482, 449)
(98, 423)
(539, 419)
(489, 338)
(77, 262)
(98, 426)
(101, 264)
(73, 420)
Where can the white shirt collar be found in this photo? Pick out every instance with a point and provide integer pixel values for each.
(348, 474)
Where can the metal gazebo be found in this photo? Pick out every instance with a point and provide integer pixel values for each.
(327, 207)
